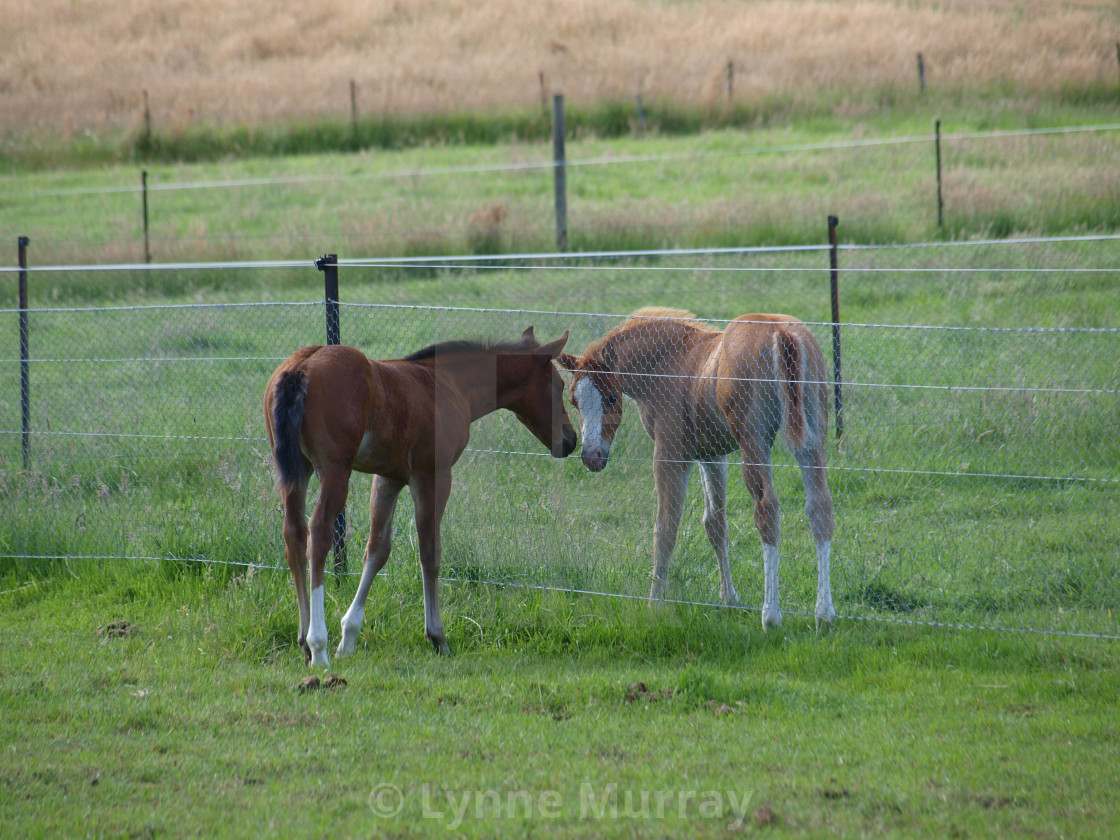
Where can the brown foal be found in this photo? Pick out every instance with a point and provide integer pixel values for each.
(331, 410)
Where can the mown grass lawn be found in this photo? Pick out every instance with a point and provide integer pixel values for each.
(555, 716)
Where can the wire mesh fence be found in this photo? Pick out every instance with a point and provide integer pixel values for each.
(976, 482)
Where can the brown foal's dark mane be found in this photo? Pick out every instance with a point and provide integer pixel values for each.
(455, 347)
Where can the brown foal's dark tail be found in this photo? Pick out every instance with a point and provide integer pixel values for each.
(791, 373)
(287, 420)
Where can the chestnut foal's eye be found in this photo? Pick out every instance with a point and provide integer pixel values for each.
(611, 399)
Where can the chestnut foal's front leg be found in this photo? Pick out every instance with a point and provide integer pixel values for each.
(429, 493)
(670, 477)
(713, 475)
(382, 503)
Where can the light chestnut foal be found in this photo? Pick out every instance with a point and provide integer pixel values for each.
(702, 393)
(331, 410)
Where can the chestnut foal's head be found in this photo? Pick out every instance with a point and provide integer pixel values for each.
(597, 395)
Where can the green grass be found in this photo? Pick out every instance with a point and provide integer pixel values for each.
(192, 724)
(718, 187)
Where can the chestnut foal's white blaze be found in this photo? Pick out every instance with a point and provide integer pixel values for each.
(719, 391)
(595, 449)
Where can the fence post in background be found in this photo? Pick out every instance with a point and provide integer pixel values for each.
(328, 264)
(730, 82)
(353, 107)
(937, 148)
(144, 200)
(921, 74)
(560, 181)
(147, 124)
(24, 355)
(641, 115)
(834, 281)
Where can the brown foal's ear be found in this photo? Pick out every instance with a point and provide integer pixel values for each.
(527, 337)
(553, 348)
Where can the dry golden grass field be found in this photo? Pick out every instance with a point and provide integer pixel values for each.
(71, 66)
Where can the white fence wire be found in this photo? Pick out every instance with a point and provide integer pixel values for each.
(977, 483)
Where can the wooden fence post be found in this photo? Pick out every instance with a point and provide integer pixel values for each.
(147, 124)
(559, 175)
(354, 107)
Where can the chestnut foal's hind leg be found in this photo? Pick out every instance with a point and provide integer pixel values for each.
(383, 501)
(818, 507)
(713, 475)
(333, 486)
(430, 494)
(756, 474)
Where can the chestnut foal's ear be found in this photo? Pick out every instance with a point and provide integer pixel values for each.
(553, 348)
(567, 362)
(527, 337)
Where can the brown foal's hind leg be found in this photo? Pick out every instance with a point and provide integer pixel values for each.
(333, 487)
(756, 474)
(295, 552)
(430, 496)
(383, 501)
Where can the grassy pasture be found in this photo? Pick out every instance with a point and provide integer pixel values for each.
(187, 721)
(726, 188)
(190, 723)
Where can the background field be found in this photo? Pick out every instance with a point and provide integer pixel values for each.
(719, 188)
(148, 671)
(74, 69)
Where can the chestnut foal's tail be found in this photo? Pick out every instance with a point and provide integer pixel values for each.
(789, 370)
(287, 420)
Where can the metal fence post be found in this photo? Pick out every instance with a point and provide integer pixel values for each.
(560, 182)
(328, 264)
(144, 193)
(834, 280)
(24, 355)
(937, 148)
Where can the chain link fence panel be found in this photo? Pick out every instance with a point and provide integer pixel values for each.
(976, 483)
